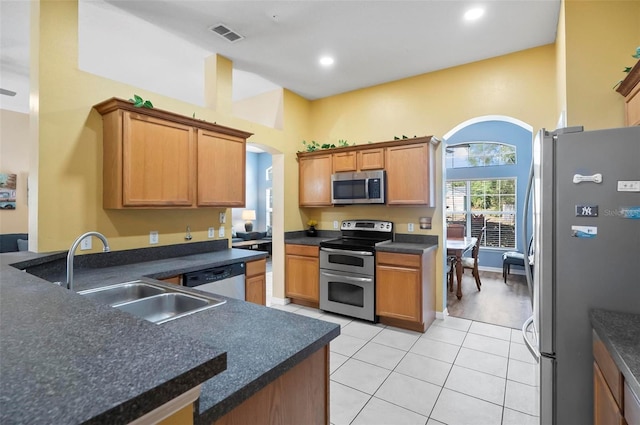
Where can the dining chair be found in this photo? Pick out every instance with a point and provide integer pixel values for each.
(514, 258)
(472, 262)
(454, 231)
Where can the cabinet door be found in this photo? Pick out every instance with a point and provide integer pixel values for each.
(221, 170)
(371, 159)
(398, 292)
(175, 280)
(302, 279)
(315, 180)
(409, 175)
(344, 161)
(605, 408)
(158, 162)
(255, 288)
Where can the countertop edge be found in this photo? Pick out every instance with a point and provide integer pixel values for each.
(605, 336)
(265, 379)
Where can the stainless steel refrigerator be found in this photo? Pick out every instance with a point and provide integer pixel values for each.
(586, 254)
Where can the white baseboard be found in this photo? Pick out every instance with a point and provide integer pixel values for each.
(280, 301)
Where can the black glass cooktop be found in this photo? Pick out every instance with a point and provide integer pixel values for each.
(354, 244)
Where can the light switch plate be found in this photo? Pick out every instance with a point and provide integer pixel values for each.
(212, 233)
(221, 232)
(153, 237)
(223, 218)
(85, 244)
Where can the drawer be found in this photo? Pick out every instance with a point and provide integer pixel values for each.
(631, 406)
(305, 250)
(610, 371)
(256, 267)
(395, 259)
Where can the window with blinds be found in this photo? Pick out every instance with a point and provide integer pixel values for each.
(479, 203)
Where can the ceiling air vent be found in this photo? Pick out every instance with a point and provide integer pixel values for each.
(226, 33)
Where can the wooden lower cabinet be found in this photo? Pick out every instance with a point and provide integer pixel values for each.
(179, 411)
(405, 289)
(175, 280)
(255, 282)
(613, 401)
(302, 274)
(300, 396)
(605, 408)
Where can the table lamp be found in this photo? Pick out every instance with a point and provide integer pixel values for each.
(247, 216)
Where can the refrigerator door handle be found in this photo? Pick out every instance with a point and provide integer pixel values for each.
(534, 351)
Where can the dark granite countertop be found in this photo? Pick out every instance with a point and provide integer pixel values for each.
(405, 247)
(260, 344)
(620, 333)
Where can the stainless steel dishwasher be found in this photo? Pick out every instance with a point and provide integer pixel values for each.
(225, 280)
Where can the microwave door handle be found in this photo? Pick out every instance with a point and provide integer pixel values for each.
(345, 252)
(366, 188)
(355, 279)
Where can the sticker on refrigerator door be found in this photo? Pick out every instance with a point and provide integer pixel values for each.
(586, 210)
(630, 212)
(589, 232)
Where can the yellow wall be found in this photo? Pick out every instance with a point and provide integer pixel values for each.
(561, 65)
(600, 38)
(520, 85)
(14, 159)
(70, 148)
(525, 85)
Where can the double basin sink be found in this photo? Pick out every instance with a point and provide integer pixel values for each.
(155, 303)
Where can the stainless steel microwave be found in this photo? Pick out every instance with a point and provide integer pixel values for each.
(367, 187)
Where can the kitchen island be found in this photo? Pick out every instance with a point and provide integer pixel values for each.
(66, 359)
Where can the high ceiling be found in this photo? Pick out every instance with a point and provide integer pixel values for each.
(372, 42)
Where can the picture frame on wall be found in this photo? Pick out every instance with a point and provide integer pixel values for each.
(8, 191)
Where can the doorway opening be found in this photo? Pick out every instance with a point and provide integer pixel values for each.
(486, 166)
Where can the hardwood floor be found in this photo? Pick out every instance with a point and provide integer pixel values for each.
(497, 303)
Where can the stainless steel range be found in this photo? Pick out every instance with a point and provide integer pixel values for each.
(348, 268)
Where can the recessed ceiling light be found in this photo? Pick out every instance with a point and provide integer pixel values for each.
(473, 14)
(326, 61)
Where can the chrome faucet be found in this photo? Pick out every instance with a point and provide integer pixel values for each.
(72, 254)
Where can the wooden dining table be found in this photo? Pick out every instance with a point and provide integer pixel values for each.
(457, 247)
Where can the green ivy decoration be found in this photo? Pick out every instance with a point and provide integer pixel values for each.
(627, 69)
(139, 102)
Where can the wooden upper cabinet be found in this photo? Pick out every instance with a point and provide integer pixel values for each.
(371, 159)
(221, 170)
(360, 160)
(345, 161)
(157, 162)
(409, 166)
(630, 89)
(158, 159)
(410, 175)
(314, 180)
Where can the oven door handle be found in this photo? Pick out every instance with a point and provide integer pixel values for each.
(347, 252)
(355, 279)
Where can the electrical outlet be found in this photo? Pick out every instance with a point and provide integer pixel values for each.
(223, 218)
(153, 237)
(85, 244)
(410, 227)
(212, 233)
(221, 232)
(336, 224)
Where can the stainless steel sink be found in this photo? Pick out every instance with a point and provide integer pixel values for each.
(155, 303)
(123, 292)
(164, 307)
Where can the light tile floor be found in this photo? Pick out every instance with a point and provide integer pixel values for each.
(458, 372)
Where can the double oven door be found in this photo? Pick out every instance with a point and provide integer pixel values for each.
(347, 282)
